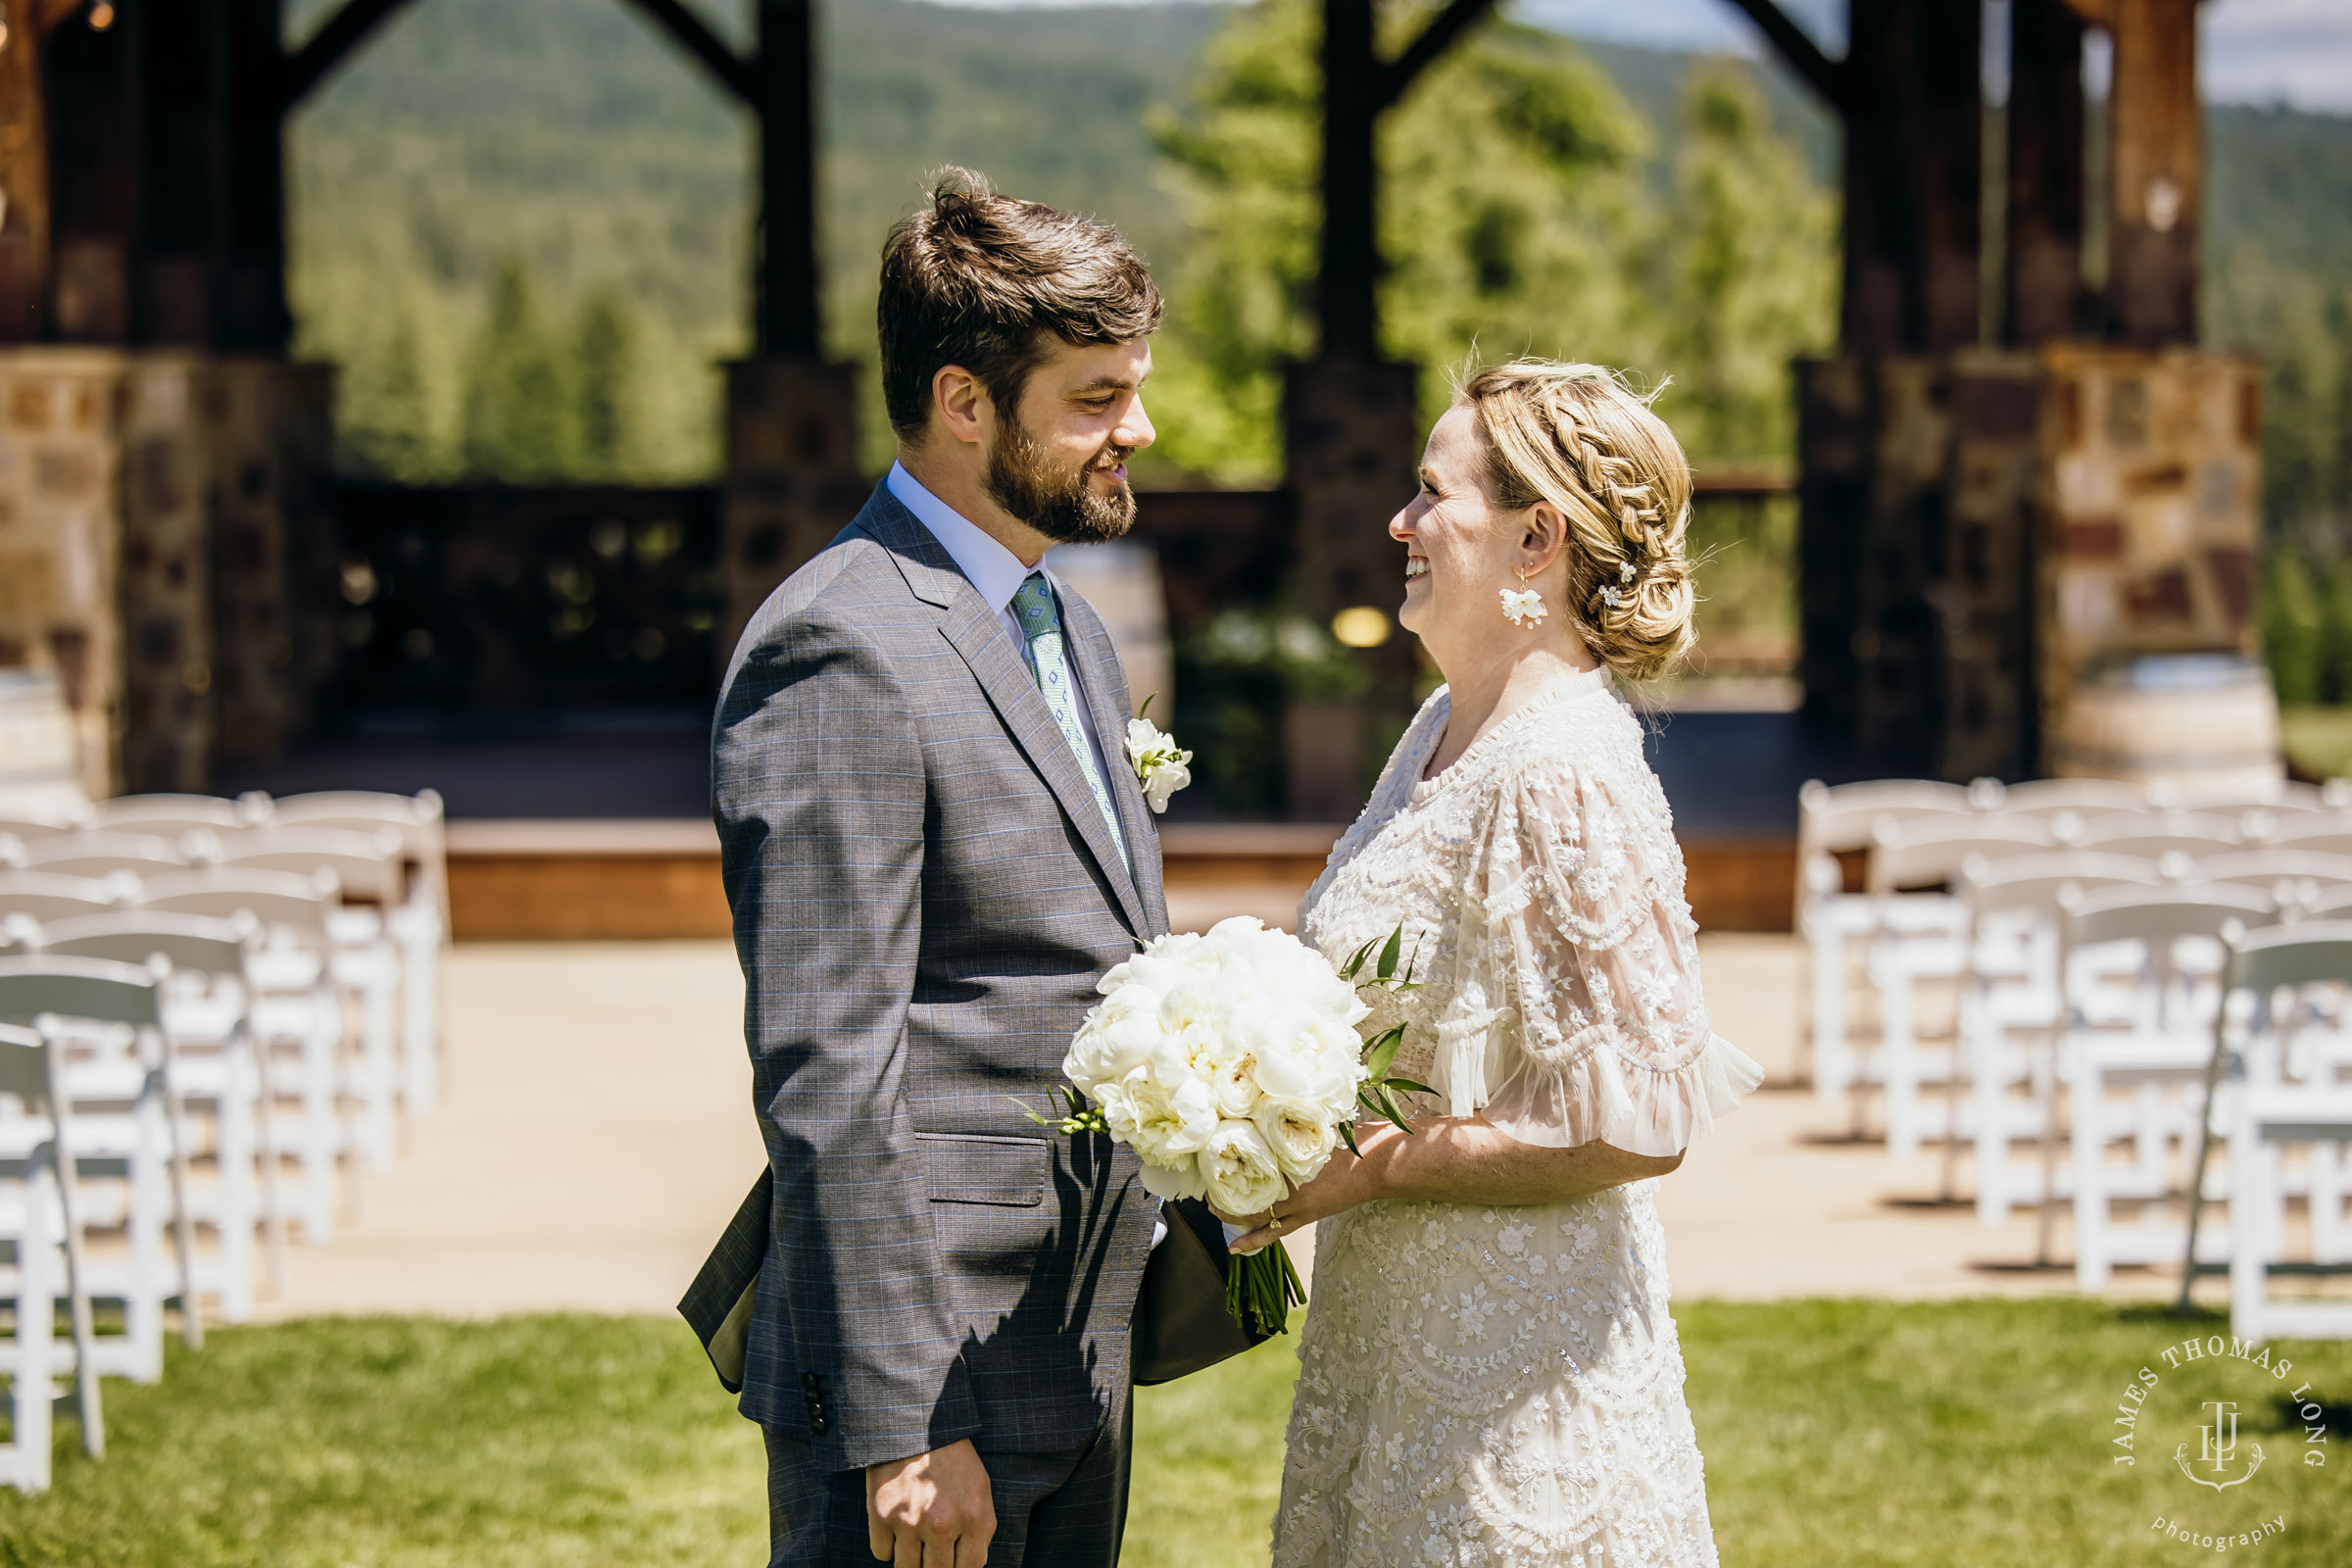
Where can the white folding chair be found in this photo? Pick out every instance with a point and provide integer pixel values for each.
(2326, 832)
(167, 815)
(103, 1023)
(2266, 1120)
(2143, 983)
(28, 822)
(420, 924)
(2151, 835)
(2265, 964)
(2079, 796)
(297, 1012)
(364, 957)
(207, 1003)
(41, 1218)
(1923, 943)
(1838, 925)
(2296, 878)
(99, 853)
(2011, 1007)
(47, 895)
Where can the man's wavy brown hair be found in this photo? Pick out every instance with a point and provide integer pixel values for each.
(983, 280)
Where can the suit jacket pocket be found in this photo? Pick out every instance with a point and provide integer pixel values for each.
(974, 1168)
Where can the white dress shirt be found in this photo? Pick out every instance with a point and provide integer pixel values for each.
(994, 570)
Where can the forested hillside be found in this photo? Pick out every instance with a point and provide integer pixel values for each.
(520, 224)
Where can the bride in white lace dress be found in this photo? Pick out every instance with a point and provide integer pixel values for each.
(1490, 1375)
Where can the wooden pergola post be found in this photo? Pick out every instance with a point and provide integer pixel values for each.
(24, 181)
(784, 95)
(2155, 174)
(2044, 300)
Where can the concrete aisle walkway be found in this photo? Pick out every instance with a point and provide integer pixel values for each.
(596, 1133)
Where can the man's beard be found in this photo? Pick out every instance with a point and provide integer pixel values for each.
(1060, 505)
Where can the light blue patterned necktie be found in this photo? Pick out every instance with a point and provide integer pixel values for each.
(1040, 620)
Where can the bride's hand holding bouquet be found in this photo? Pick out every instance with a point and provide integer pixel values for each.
(1231, 1065)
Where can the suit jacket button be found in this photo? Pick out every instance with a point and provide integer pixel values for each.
(817, 1424)
(808, 1381)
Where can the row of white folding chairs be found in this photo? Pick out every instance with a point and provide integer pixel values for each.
(1852, 819)
(2141, 970)
(87, 1109)
(349, 1080)
(389, 955)
(418, 820)
(1843, 927)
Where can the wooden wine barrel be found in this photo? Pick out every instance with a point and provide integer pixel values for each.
(1122, 580)
(2206, 722)
(40, 755)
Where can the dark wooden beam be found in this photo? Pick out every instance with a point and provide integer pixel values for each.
(2155, 174)
(52, 12)
(327, 47)
(784, 93)
(25, 186)
(709, 51)
(1797, 50)
(1449, 25)
(1350, 265)
(2044, 300)
(1913, 178)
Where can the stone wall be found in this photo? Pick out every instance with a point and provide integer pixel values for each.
(143, 555)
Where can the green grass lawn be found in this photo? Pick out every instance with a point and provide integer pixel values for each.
(1835, 1433)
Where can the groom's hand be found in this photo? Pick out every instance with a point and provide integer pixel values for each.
(931, 1511)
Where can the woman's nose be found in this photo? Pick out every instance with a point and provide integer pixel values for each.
(1402, 525)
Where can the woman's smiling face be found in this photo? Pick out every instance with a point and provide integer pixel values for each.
(1459, 548)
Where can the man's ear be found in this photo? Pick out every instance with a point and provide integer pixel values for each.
(960, 404)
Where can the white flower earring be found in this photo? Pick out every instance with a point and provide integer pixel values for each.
(1521, 606)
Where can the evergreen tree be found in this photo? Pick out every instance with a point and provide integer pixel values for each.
(2290, 626)
(611, 364)
(1509, 182)
(1751, 269)
(522, 412)
(387, 405)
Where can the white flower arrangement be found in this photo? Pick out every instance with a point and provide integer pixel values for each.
(1230, 1063)
(1161, 766)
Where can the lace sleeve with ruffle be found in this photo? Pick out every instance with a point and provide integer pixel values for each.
(1577, 1012)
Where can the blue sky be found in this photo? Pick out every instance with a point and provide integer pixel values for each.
(2253, 51)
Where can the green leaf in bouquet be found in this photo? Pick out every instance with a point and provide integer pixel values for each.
(1391, 954)
(1395, 1081)
(1388, 1109)
(1381, 1054)
(1356, 959)
(1347, 1137)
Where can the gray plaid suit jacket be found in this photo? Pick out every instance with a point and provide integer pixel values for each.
(925, 893)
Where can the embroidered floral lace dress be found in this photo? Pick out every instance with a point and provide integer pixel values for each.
(1486, 1387)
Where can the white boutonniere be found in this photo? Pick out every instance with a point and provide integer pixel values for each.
(1159, 764)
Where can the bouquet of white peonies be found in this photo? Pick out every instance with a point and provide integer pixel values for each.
(1230, 1063)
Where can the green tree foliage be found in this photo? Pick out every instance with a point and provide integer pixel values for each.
(607, 342)
(2290, 626)
(522, 403)
(1752, 278)
(1517, 216)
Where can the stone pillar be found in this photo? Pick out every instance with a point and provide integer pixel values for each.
(61, 462)
(793, 478)
(171, 402)
(1354, 435)
(2149, 500)
(265, 427)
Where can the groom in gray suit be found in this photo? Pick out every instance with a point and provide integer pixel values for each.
(934, 847)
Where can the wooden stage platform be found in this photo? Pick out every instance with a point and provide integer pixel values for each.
(657, 878)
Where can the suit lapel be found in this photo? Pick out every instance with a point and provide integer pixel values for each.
(973, 631)
(1099, 675)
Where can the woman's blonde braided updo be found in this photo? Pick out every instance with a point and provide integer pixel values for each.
(1575, 436)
